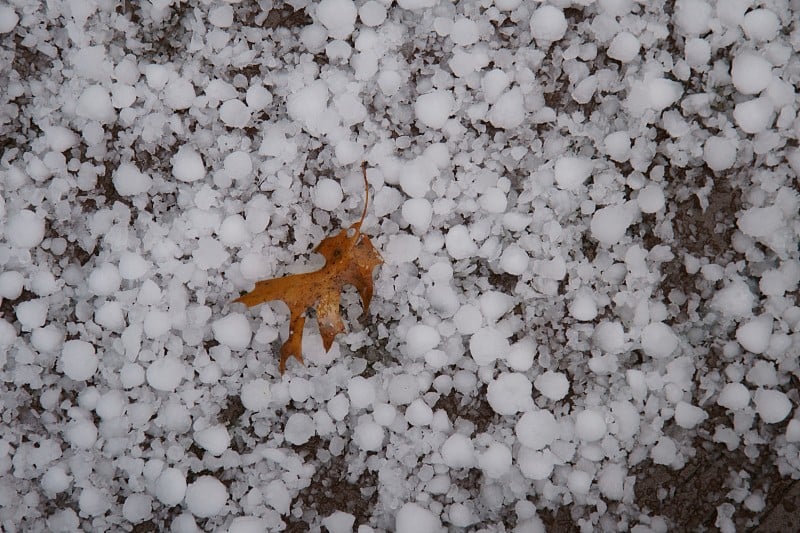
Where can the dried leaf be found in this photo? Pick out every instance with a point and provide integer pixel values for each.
(350, 259)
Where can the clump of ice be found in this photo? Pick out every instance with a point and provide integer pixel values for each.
(572, 171)
(79, 360)
(537, 429)
(187, 165)
(412, 517)
(590, 425)
(338, 17)
(510, 393)
(25, 229)
(658, 340)
(434, 108)
(750, 73)
(548, 24)
(772, 405)
(206, 497)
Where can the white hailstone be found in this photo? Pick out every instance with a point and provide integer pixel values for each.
(156, 324)
(132, 265)
(234, 113)
(8, 19)
(494, 304)
(95, 103)
(60, 139)
(210, 254)
(658, 340)
(187, 165)
(11, 284)
(81, 434)
(238, 165)
(793, 430)
(256, 394)
(129, 180)
(719, 153)
(234, 231)
(348, 152)
(32, 314)
(510, 393)
(618, 145)
(137, 508)
(664, 452)
(590, 425)
(754, 335)
(434, 108)
(552, 385)
(761, 25)
(258, 97)
(772, 405)
(47, 339)
(170, 487)
(537, 429)
(157, 76)
(611, 481)
(416, 176)
(165, 374)
(458, 451)
(254, 524)
(734, 300)
(514, 260)
(459, 243)
(179, 94)
(493, 200)
(624, 47)
(651, 198)
(25, 229)
(299, 429)
(548, 24)
(338, 17)
(493, 84)
(509, 110)
(754, 116)
(464, 32)
(688, 416)
(495, 461)
(418, 212)
(104, 279)
(535, 465)
(55, 480)
(583, 307)
(609, 337)
(93, 501)
(627, 415)
(412, 517)
(734, 396)
(468, 319)
(403, 389)
(579, 482)
(214, 439)
(697, 51)
(131, 375)
(401, 249)
(761, 221)
(206, 497)
(361, 392)
(328, 194)
(692, 16)
(221, 16)
(572, 171)
(419, 413)
(750, 73)
(372, 13)
(338, 522)
(488, 344)
(122, 95)
(421, 339)
(609, 224)
(79, 360)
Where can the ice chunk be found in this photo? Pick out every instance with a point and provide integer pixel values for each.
(338, 522)
(579, 482)
(221, 16)
(361, 392)
(658, 340)
(206, 497)
(510, 393)
(95, 104)
(412, 517)
(338, 16)
(93, 501)
(214, 439)
(537, 429)
(772, 405)
(611, 481)
(761, 221)
(535, 465)
(609, 224)
(299, 429)
(464, 32)
(179, 94)
(571, 171)
(761, 25)
(238, 165)
(651, 198)
(493, 84)
(165, 374)
(754, 335)
(403, 389)
(509, 110)
(402, 249)
(734, 396)
(618, 146)
(234, 113)
(664, 452)
(734, 300)
(552, 385)
(697, 51)
(187, 165)
(688, 416)
(132, 266)
(548, 24)
(495, 461)
(369, 436)
(79, 360)
(419, 413)
(256, 394)
(719, 153)
(32, 314)
(60, 139)
(754, 116)
(418, 212)
(590, 425)
(434, 108)
(421, 339)
(750, 73)
(25, 229)
(372, 13)
(488, 344)
(459, 243)
(624, 47)
(609, 337)
(234, 231)
(692, 16)
(458, 451)
(514, 260)
(583, 307)
(327, 194)
(8, 19)
(129, 180)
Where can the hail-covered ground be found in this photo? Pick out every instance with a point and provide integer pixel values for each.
(588, 212)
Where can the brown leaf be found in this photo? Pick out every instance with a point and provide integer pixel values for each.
(350, 259)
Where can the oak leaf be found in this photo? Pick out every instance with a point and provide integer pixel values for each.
(350, 259)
